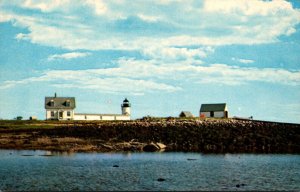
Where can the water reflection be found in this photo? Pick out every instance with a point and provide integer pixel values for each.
(30, 153)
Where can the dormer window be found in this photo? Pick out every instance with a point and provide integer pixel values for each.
(52, 103)
(68, 103)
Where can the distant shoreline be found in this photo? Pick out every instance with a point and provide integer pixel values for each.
(159, 134)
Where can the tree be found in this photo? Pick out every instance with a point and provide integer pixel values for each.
(18, 118)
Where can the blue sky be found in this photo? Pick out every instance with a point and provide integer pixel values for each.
(165, 56)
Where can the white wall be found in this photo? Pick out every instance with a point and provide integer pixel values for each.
(100, 117)
(218, 114)
(56, 114)
(79, 117)
(123, 117)
(87, 117)
(108, 117)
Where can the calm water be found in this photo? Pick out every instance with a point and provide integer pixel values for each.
(31, 170)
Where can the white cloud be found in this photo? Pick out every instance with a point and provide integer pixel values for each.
(246, 7)
(45, 5)
(68, 56)
(177, 40)
(245, 61)
(5, 17)
(148, 18)
(99, 6)
(176, 53)
(104, 80)
(169, 23)
(119, 85)
(140, 76)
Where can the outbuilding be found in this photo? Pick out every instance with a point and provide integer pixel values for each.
(218, 110)
(186, 114)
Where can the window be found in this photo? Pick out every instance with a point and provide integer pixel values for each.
(52, 103)
(68, 103)
(52, 113)
(69, 113)
(60, 114)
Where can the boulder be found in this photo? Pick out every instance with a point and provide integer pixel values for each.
(161, 146)
(151, 147)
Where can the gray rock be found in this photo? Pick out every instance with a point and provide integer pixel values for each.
(151, 148)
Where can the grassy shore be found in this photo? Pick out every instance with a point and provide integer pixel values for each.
(188, 135)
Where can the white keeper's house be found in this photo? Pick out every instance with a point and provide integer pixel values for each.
(63, 108)
(218, 110)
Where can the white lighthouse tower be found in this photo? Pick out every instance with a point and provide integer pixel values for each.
(125, 107)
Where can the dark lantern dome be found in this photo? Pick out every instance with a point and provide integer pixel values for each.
(125, 100)
(126, 103)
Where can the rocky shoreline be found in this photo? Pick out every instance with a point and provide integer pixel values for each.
(169, 134)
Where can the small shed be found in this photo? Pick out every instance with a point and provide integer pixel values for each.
(186, 114)
(218, 110)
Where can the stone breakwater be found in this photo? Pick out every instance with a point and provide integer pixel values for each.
(188, 135)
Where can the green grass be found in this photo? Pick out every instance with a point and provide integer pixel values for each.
(25, 124)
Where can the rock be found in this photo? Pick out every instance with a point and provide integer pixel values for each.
(105, 146)
(115, 165)
(151, 148)
(240, 185)
(161, 179)
(191, 159)
(161, 146)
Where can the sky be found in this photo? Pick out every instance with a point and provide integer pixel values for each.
(165, 56)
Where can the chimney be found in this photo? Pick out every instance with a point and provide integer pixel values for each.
(54, 94)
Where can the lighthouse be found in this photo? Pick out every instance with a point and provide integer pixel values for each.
(125, 107)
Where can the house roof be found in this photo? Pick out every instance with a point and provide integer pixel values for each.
(60, 102)
(213, 107)
(186, 114)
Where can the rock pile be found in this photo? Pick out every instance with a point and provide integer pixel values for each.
(193, 135)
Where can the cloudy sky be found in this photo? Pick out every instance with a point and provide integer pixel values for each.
(165, 56)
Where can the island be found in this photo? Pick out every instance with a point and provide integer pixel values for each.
(207, 135)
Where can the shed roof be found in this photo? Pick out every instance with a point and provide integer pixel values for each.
(213, 107)
(60, 102)
(186, 114)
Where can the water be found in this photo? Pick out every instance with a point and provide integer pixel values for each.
(31, 170)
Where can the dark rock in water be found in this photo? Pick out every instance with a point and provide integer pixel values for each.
(243, 184)
(191, 159)
(150, 148)
(238, 185)
(161, 179)
(116, 166)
